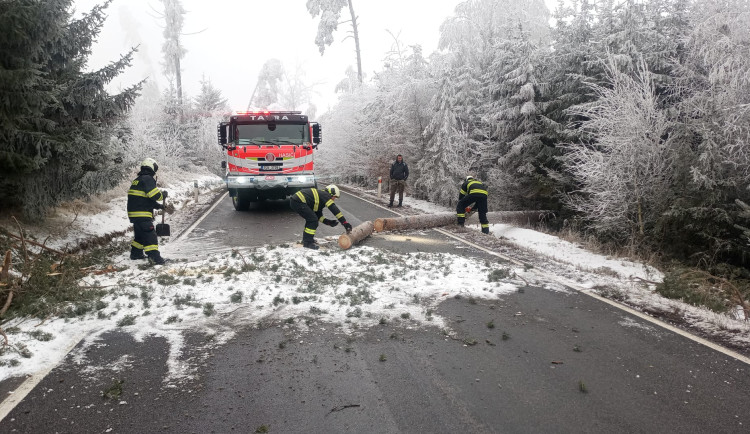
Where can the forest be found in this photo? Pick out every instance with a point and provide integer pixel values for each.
(629, 119)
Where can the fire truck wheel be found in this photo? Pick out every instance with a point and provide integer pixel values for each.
(241, 202)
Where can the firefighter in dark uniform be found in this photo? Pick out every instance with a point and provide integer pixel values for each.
(473, 191)
(143, 197)
(309, 203)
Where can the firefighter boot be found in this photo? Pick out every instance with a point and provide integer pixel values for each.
(399, 204)
(485, 230)
(310, 245)
(136, 253)
(155, 258)
(308, 242)
(390, 205)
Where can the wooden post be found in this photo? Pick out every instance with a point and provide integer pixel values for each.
(359, 233)
(425, 221)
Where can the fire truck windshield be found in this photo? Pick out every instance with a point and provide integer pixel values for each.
(276, 134)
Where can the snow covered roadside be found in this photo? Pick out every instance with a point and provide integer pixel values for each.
(623, 280)
(72, 223)
(106, 213)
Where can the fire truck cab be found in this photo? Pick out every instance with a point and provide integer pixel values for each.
(269, 155)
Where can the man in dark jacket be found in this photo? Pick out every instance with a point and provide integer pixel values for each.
(399, 174)
(473, 192)
(143, 197)
(309, 203)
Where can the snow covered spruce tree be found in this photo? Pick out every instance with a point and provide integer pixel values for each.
(463, 136)
(706, 222)
(56, 120)
(344, 143)
(518, 153)
(399, 113)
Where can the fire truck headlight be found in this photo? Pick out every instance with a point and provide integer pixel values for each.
(302, 179)
(240, 179)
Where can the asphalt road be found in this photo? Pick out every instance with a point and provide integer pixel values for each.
(554, 362)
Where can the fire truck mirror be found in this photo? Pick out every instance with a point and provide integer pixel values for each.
(317, 133)
(221, 131)
(223, 164)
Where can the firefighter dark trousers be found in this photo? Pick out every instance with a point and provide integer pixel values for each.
(145, 239)
(397, 186)
(311, 220)
(480, 203)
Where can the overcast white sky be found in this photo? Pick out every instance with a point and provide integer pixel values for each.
(240, 35)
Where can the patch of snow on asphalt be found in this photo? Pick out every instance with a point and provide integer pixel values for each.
(223, 292)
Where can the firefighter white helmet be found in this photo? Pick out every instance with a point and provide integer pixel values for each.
(333, 190)
(151, 164)
(469, 177)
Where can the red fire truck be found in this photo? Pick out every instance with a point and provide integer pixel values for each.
(269, 155)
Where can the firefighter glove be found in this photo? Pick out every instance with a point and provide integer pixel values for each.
(330, 222)
(347, 226)
(164, 194)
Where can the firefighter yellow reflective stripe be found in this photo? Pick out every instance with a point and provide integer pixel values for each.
(339, 215)
(329, 203)
(460, 215)
(310, 231)
(140, 193)
(154, 192)
(475, 190)
(301, 196)
(136, 214)
(137, 245)
(463, 192)
(321, 218)
(317, 199)
(150, 248)
(485, 225)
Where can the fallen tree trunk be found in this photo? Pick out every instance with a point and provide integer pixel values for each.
(426, 221)
(358, 233)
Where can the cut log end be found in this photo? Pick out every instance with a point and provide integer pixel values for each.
(345, 242)
(357, 234)
(379, 225)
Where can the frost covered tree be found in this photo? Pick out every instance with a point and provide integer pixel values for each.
(294, 90)
(344, 143)
(713, 82)
(454, 134)
(516, 155)
(330, 13)
(399, 113)
(58, 135)
(625, 168)
(266, 91)
(174, 19)
(463, 134)
(350, 83)
(210, 99)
